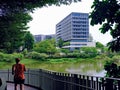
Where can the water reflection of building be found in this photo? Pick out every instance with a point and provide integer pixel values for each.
(41, 37)
(74, 29)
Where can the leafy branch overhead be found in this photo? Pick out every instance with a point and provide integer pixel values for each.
(9, 6)
(107, 13)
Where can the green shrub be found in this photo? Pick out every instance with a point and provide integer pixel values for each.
(83, 55)
(2, 56)
(116, 58)
(72, 55)
(56, 55)
(10, 57)
(25, 52)
(102, 57)
(80, 55)
(18, 55)
(36, 55)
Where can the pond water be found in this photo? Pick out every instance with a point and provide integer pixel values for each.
(88, 68)
(92, 68)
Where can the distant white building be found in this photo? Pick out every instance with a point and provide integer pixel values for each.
(74, 28)
(41, 37)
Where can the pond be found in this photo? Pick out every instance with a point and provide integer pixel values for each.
(92, 68)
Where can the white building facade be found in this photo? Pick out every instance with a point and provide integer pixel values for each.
(74, 29)
(41, 37)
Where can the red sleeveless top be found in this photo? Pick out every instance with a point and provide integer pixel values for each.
(18, 70)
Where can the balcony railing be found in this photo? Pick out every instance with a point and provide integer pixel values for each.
(49, 80)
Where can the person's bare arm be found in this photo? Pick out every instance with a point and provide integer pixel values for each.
(13, 70)
(24, 68)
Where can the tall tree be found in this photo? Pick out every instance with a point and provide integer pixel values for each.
(28, 41)
(107, 13)
(12, 30)
(60, 43)
(46, 46)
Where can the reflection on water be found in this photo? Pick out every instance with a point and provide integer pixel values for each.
(92, 68)
(101, 73)
(89, 72)
(87, 68)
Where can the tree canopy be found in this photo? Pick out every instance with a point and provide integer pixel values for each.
(12, 30)
(46, 46)
(107, 13)
(28, 41)
(11, 6)
(99, 45)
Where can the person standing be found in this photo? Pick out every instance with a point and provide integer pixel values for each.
(18, 70)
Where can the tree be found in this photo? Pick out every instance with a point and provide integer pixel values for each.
(60, 43)
(12, 30)
(113, 71)
(28, 41)
(15, 6)
(99, 45)
(65, 50)
(46, 46)
(66, 43)
(92, 51)
(107, 13)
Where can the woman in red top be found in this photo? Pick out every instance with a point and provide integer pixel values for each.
(18, 70)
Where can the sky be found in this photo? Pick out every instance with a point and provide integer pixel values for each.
(46, 18)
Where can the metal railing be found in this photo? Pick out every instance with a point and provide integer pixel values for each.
(49, 80)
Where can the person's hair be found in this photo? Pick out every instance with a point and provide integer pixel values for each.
(17, 59)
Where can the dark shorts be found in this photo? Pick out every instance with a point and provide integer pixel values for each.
(19, 81)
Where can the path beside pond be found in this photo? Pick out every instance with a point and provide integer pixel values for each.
(10, 86)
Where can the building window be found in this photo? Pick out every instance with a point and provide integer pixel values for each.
(79, 40)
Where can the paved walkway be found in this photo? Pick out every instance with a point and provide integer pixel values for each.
(10, 86)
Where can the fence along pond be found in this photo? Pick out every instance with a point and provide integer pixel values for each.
(49, 80)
